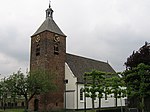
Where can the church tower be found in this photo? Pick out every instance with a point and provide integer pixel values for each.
(48, 51)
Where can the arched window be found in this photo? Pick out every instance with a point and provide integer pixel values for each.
(106, 96)
(37, 49)
(36, 105)
(56, 49)
(81, 94)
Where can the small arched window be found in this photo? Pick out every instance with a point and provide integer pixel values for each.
(38, 49)
(56, 49)
(106, 96)
(81, 94)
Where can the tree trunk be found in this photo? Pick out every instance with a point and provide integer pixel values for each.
(115, 100)
(92, 103)
(142, 104)
(99, 103)
(26, 103)
(4, 106)
(31, 96)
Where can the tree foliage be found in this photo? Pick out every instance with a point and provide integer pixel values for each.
(140, 56)
(100, 83)
(136, 74)
(4, 91)
(28, 85)
(91, 85)
(117, 87)
(40, 81)
(138, 82)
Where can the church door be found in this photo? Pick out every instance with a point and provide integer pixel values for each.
(36, 105)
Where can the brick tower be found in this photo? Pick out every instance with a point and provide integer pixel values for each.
(48, 50)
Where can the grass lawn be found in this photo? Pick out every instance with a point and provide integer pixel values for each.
(12, 110)
(22, 110)
(87, 111)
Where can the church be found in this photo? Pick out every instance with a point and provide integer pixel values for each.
(48, 51)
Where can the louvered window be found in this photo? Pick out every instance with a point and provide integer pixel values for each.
(37, 49)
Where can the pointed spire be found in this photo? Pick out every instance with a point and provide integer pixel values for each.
(49, 24)
(49, 11)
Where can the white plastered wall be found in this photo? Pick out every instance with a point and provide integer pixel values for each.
(110, 102)
(71, 94)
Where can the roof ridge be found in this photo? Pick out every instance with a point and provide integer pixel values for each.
(87, 58)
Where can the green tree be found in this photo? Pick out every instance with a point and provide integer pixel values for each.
(117, 87)
(4, 91)
(140, 56)
(91, 85)
(96, 85)
(100, 79)
(107, 87)
(99, 83)
(138, 82)
(33, 83)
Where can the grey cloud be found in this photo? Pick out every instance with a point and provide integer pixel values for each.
(99, 29)
(12, 44)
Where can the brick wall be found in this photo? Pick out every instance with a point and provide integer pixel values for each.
(54, 63)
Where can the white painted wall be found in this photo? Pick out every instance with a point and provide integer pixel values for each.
(110, 102)
(70, 100)
(71, 94)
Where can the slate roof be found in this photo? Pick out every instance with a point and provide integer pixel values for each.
(49, 25)
(79, 65)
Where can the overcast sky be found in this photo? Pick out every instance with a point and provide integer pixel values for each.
(98, 29)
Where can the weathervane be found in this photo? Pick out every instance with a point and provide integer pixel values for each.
(49, 3)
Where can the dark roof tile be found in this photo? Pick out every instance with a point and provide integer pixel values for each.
(49, 25)
(79, 65)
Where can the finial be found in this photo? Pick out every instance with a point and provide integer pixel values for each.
(49, 11)
(49, 3)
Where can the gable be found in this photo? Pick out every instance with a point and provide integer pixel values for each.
(79, 65)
